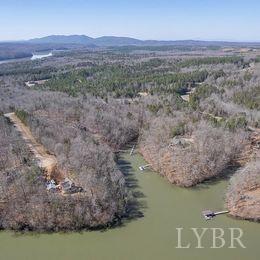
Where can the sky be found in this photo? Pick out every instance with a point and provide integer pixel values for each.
(230, 20)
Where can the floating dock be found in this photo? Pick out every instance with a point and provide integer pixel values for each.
(144, 167)
(208, 214)
(132, 150)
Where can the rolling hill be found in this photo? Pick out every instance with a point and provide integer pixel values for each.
(106, 41)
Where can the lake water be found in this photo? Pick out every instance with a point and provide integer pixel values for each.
(154, 236)
(13, 60)
(37, 56)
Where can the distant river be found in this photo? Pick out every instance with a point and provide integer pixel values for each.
(36, 56)
(152, 237)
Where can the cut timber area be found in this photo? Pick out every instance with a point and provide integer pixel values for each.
(44, 159)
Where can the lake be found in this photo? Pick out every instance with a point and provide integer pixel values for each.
(165, 207)
(36, 56)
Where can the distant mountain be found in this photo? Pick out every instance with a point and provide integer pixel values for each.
(116, 41)
(85, 40)
(106, 41)
(63, 39)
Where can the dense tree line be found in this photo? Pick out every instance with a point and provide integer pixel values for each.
(123, 81)
(212, 60)
(25, 202)
(187, 153)
(243, 202)
(94, 103)
(249, 97)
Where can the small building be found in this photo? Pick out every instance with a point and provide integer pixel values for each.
(180, 141)
(51, 186)
(68, 186)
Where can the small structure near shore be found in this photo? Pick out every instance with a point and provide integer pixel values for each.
(144, 167)
(68, 187)
(132, 150)
(33, 83)
(181, 141)
(51, 186)
(208, 214)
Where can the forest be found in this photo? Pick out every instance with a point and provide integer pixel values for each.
(93, 103)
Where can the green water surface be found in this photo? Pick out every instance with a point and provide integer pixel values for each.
(154, 236)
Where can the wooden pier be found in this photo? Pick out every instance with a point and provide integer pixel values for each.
(208, 214)
(132, 150)
(144, 167)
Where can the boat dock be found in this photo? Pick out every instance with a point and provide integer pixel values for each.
(144, 167)
(208, 214)
(132, 150)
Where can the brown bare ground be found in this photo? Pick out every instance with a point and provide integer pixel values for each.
(44, 159)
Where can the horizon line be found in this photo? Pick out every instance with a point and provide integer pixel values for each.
(136, 38)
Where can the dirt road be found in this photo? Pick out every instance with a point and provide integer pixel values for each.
(44, 160)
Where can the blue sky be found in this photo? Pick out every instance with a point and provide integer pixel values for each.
(233, 20)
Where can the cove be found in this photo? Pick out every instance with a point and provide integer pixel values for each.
(151, 233)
